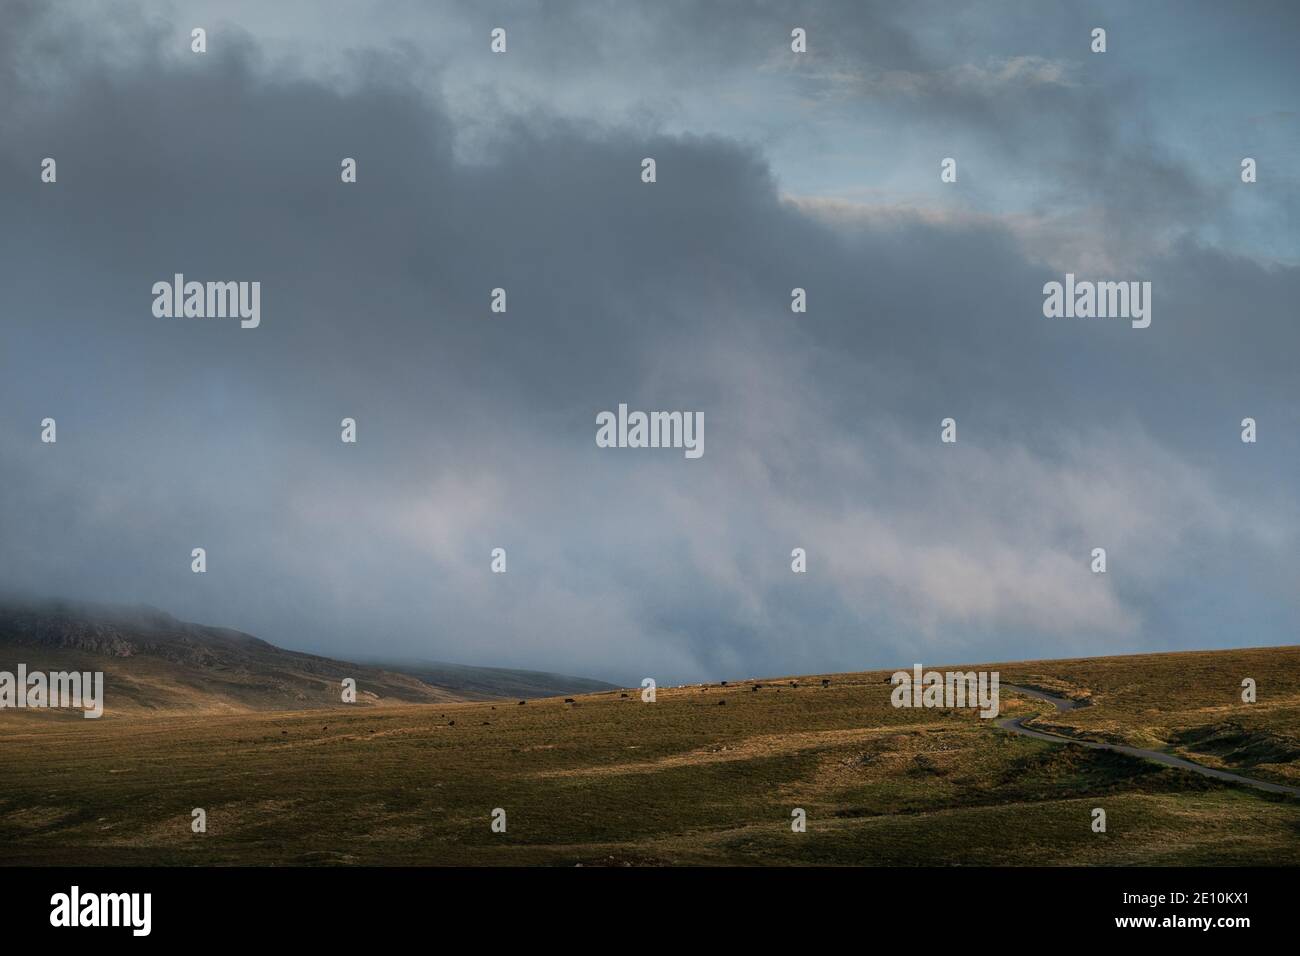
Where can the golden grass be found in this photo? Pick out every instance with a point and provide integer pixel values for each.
(614, 781)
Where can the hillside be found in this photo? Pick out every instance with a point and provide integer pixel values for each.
(688, 779)
(487, 683)
(1187, 703)
(154, 663)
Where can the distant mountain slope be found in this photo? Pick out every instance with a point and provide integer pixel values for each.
(483, 683)
(154, 662)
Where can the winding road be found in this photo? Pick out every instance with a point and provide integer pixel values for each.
(1016, 725)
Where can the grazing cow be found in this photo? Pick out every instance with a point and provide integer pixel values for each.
(522, 702)
(451, 723)
(724, 683)
(825, 682)
(722, 703)
(568, 700)
(622, 695)
(756, 687)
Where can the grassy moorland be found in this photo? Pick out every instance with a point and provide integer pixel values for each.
(685, 780)
(1188, 704)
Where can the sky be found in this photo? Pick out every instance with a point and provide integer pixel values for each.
(774, 170)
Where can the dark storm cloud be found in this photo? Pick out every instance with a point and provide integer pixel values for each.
(476, 430)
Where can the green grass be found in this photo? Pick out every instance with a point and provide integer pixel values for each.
(1187, 703)
(615, 781)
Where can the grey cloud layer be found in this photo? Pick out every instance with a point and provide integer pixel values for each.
(477, 431)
